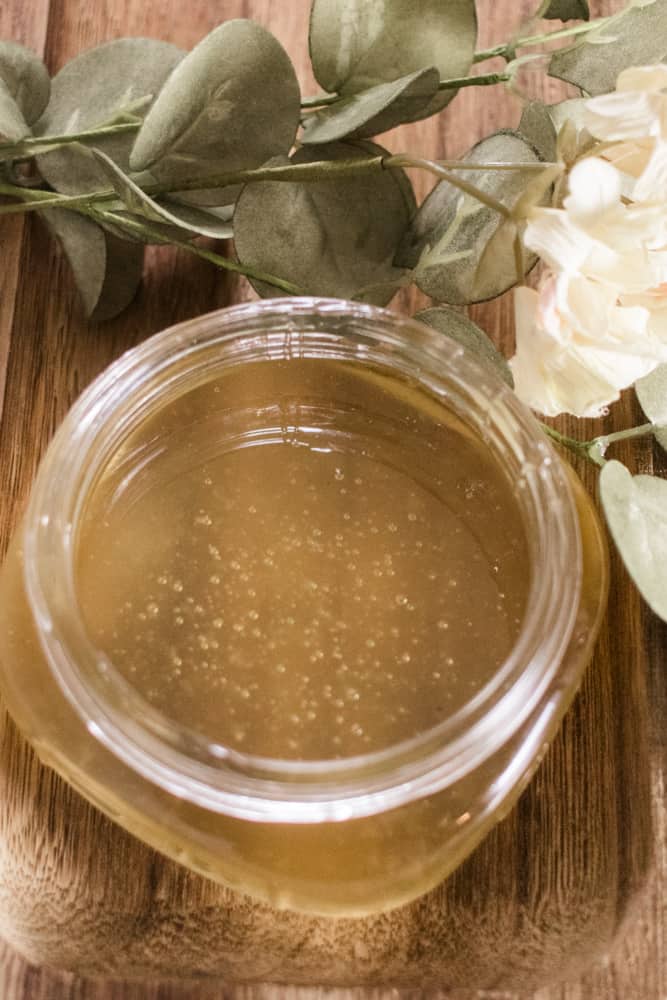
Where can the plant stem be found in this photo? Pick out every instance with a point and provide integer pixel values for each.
(579, 448)
(320, 100)
(35, 144)
(34, 199)
(433, 167)
(146, 230)
(507, 50)
(320, 170)
(456, 83)
(493, 165)
(595, 449)
(605, 440)
(483, 80)
(519, 257)
(29, 195)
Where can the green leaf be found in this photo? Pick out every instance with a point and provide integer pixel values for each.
(99, 87)
(186, 218)
(26, 78)
(357, 44)
(636, 36)
(457, 326)
(233, 103)
(107, 270)
(537, 127)
(652, 395)
(565, 10)
(332, 237)
(372, 111)
(13, 126)
(461, 250)
(556, 131)
(573, 110)
(636, 512)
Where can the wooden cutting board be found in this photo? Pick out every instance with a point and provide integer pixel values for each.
(570, 886)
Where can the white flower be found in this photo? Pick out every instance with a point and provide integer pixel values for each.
(597, 235)
(635, 117)
(636, 110)
(599, 321)
(576, 348)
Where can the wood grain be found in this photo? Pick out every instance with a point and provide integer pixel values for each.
(572, 884)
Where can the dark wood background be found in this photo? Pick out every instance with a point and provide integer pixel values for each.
(48, 353)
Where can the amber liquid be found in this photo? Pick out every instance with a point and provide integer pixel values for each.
(308, 559)
(304, 559)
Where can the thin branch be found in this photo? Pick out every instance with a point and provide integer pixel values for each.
(595, 449)
(32, 145)
(433, 167)
(507, 50)
(456, 83)
(33, 199)
(143, 229)
(320, 100)
(483, 80)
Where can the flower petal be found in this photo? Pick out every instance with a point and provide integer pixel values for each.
(576, 349)
(552, 235)
(594, 187)
(648, 78)
(652, 184)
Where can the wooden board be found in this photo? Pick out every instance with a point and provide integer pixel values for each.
(591, 830)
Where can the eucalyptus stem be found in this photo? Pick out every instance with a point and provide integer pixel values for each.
(34, 199)
(143, 229)
(433, 167)
(494, 165)
(482, 80)
(32, 145)
(319, 170)
(41, 198)
(579, 448)
(456, 83)
(631, 432)
(320, 100)
(507, 50)
(594, 450)
(519, 257)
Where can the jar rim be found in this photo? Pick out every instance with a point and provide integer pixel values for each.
(227, 780)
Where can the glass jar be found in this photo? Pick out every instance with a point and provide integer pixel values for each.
(358, 832)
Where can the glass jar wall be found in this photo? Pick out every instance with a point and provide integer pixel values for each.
(301, 595)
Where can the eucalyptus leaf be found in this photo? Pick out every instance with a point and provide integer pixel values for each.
(26, 78)
(100, 87)
(333, 237)
(135, 228)
(652, 395)
(357, 44)
(636, 512)
(557, 131)
(565, 10)
(538, 128)
(13, 126)
(460, 328)
(233, 103)
(635, 36)
(461, 250)
(107, 270)
(374, 110)
(187, 218)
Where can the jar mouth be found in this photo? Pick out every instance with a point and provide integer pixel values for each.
(228, 780)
